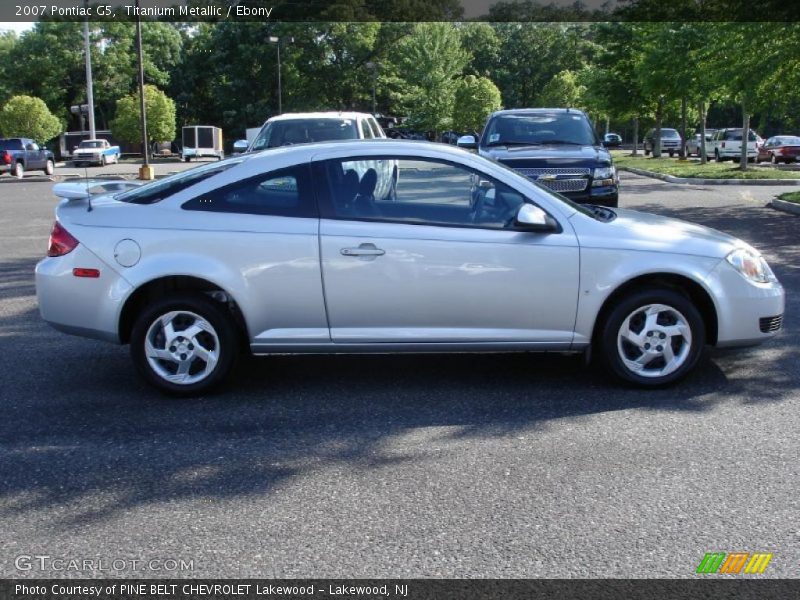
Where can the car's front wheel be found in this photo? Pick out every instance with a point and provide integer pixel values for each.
(652, 337)
(185, 344)
(49, 167)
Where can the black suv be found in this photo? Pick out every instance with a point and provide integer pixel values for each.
(556, 147)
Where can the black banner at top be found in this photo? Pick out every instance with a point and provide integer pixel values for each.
(400, 10)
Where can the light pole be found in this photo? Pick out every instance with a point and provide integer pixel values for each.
(146, 171)
(89, 87)
(373, 67)
(277, 41)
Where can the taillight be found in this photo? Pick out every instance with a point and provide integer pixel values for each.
(61, 242)
(6, 157)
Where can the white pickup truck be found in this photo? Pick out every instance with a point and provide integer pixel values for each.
(96, 152)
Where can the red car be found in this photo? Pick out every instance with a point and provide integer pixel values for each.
(780, 149)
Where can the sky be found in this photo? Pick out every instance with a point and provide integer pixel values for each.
(18, 27)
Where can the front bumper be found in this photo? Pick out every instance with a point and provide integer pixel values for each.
(78, 305)
(747, 313)
(86, 158)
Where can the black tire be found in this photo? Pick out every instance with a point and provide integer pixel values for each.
(671, 153)
(717, 157)
(19, 170)
(646, 151)
(187, 158)
(226, 343)
(49, 167)
(611, 347)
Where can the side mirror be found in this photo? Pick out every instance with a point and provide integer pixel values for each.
(467, 141)
(533, 218)
(240, 146)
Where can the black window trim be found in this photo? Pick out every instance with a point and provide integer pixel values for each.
(327, 212)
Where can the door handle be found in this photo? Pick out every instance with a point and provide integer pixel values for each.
(363, 250)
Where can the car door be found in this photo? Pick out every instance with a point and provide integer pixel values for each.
(34, 157)
(441, 262)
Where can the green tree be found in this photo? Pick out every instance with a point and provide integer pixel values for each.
(8, 40)
(160, 117)
(475, 99)
(431, 60)
(563, 90)
(25, 116)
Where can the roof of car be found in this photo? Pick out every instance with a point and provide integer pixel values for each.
(517, 111)
(320, 115)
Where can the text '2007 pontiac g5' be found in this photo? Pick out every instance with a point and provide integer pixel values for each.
(390, 246)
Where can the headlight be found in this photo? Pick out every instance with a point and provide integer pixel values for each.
(751, 265)
(604, 172)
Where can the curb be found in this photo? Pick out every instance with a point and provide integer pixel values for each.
(696, 181)
(783, 205)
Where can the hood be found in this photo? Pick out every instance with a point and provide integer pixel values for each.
(549, 155)
(633, 230)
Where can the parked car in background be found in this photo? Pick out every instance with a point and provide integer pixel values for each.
(18, 155)
(95, 152)
(612, 140)
(726, 144)
(279, 254)
(780, 149)
(670, 141)
(304, 128)
(556, 147)
(693, 144)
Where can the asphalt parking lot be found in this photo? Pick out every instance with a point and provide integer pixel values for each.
(413, 466)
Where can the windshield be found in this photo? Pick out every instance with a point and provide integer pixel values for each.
(540, 128)
(163, 188)
(669, 133)
(91, 145)
(301, 131)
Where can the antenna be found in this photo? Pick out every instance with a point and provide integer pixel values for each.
(88, 195)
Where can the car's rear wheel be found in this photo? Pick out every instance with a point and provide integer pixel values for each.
(19, 170)
(49, 167)
(185, 344)
(652, 338)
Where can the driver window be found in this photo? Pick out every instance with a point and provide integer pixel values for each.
(420, 191)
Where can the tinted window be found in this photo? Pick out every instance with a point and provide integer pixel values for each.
(163, 188)
(418, 191)
(283, 193)
(300, 131)
(539, 128)
(366, 130)
(376, 129)
(669, 133)
(10, 144)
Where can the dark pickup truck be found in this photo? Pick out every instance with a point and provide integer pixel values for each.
(556, 147)
(18, 155)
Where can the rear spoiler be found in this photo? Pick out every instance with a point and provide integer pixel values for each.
(83, 190)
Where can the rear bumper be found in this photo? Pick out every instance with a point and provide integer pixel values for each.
(78, 305)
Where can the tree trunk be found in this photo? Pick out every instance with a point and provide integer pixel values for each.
(745, 136)
(635, 136)
(682, 152)
(657, 138)
(703, 156)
